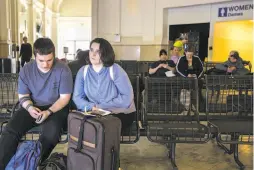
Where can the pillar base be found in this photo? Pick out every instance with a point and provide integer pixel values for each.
(5, 49)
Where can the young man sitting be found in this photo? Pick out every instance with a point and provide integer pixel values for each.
(44, 88)
(159, 68)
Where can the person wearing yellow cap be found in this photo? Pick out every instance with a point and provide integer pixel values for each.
(179, 43)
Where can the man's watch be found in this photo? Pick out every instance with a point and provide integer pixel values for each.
(50, 111)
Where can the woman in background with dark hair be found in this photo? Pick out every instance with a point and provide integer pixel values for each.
(80, 61)
(191, 66)
(98, 89)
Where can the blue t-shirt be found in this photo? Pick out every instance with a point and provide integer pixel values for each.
(45, 88)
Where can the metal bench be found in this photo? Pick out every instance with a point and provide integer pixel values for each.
(230, 111)
(166, 119)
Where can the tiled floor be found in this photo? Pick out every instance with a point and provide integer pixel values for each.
(146, 155)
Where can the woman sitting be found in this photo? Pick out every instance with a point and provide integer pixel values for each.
(234, 65)
(189, 65)
(104, 85)
(175, 54)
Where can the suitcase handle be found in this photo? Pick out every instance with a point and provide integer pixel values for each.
(113, 158)
(81, 132)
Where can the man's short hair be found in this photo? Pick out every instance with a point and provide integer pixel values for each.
(190, 48)
(25, 37)
(44, 46)
(107, 54)
(162, 51)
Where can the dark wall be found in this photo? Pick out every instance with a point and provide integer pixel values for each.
(203, 30)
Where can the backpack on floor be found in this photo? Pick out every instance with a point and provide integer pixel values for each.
(56, 161)
(27, 156)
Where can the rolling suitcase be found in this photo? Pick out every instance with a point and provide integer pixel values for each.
(94, 142)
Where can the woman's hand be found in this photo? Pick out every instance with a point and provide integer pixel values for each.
(95, 108)
(231, 69)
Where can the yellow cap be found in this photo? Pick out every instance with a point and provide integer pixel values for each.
(178, 44)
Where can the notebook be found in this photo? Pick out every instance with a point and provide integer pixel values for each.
(99, 112)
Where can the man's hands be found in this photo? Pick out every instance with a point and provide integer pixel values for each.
(154, 70)
(36, 113)
(166, 66)
(44, 115)
(162, 66)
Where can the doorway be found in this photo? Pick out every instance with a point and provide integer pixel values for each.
(74, 45)
(198, 35)
(73, 33)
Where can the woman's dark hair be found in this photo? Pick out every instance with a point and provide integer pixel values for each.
(162, 51)
(43, 46)
(107, 54)
(235, 55)
(82, 55)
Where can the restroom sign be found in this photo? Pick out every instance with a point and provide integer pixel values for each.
(236, 10)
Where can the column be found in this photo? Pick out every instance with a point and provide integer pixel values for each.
(54, 35)
(94, 19)
(5, 31)
(47, 23)
(43, 18)
(31, 22)
(14, 21)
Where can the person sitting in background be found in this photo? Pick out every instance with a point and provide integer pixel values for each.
(234, 65)
(175, 54)
(78, 50)
(81, 60)
(189, 65)
(159, 68)
(180, 42)
(99, 88)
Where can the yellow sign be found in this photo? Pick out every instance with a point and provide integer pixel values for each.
(233, 35)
